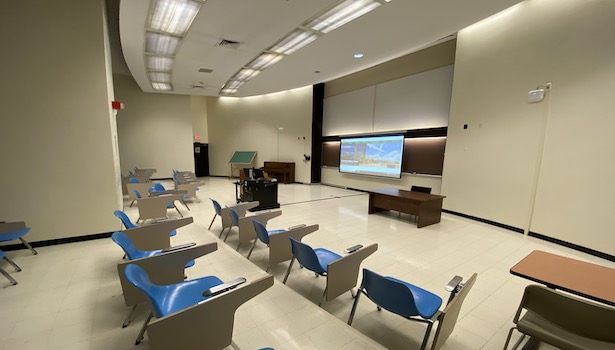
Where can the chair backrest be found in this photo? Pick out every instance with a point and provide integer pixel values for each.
(305, 255)
(155, 294)
(124, 218)
(576, 315)
(261, 231)
(137, 194)
(234, 216)
(126, 244)
(217, 206)
(420, 189)
(158, 187)
(134, 180)
(450, 314)
(2, 254)
(389, 294)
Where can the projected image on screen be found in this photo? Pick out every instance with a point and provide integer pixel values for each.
(376, 155)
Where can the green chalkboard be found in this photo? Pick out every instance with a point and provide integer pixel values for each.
(243, 157)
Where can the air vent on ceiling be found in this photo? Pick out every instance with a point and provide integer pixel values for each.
(228, 43)
(205, 70)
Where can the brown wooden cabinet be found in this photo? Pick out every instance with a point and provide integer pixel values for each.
(282, 171)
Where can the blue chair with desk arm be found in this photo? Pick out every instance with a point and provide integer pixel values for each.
(564, 321)
(6, 274)
(196, 314)
(158, 187)
(10, 231)
(278, 242)
(134, 253)
(414, 303)
(342, 272)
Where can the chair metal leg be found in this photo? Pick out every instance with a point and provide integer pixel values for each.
(290, 266)
(17, 268)
(268, 267)
(238, 245)
(131, 203)
(212, 221)
(426, 338)
(253, 245)
(28, 245)
(228, 232)
(354, 307)
(143, 328)
(129, 317)
(323, 297)
(510, 332)
(221, 232)
(176, 208)
(185, 205)
(11, 279)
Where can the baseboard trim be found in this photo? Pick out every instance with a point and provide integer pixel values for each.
(57, 241)
(573, 246)
(475, 218)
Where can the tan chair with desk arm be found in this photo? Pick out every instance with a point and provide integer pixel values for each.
(155, 235)
(564, 321)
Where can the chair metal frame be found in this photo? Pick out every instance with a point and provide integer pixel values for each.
(446, 318)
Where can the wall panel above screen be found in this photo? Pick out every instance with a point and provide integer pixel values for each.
(417, 101)
(349, 113)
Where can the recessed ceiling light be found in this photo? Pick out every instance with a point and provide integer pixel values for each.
(358, 55)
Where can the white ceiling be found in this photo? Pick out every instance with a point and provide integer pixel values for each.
(390, 31)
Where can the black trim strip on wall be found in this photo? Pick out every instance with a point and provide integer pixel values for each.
(51, 242)
(537, 235)
(475, 218)
(573, 246)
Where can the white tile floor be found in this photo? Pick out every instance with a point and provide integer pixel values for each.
(69, 296)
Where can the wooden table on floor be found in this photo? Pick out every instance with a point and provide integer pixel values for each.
(427, 207)
(591, 281)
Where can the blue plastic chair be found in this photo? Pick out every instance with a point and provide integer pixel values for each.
(218, 210)
(168, 299)
(401, 298)
(17, 234)
(158, 187)
(134, 180)
(132, 252)
(262, 234)
(6, 274)
(128, 224)
(234, 222)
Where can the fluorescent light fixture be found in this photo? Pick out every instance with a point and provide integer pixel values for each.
(358, 55)
(159, 63)
(173, 16)
(159, 77)
(246, 74)
(264, 60)
(294, 41)
(341, 14)
(231, 87)
(162, 86)
(161, 44)
(228, 91)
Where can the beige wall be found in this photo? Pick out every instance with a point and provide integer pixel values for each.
(546, 166)
(198, 108)
(56, 138)
(251, 124)
(155, 130)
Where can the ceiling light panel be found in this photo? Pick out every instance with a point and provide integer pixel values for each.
(173, 16)
(341, 14)
(294, 41)
(159, 77)
(161, 44)
(264, 60)
(246, 74)
(159, 63)
(162, 86)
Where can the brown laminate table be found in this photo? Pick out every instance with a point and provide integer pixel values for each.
(595, 282)
(427, 207)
